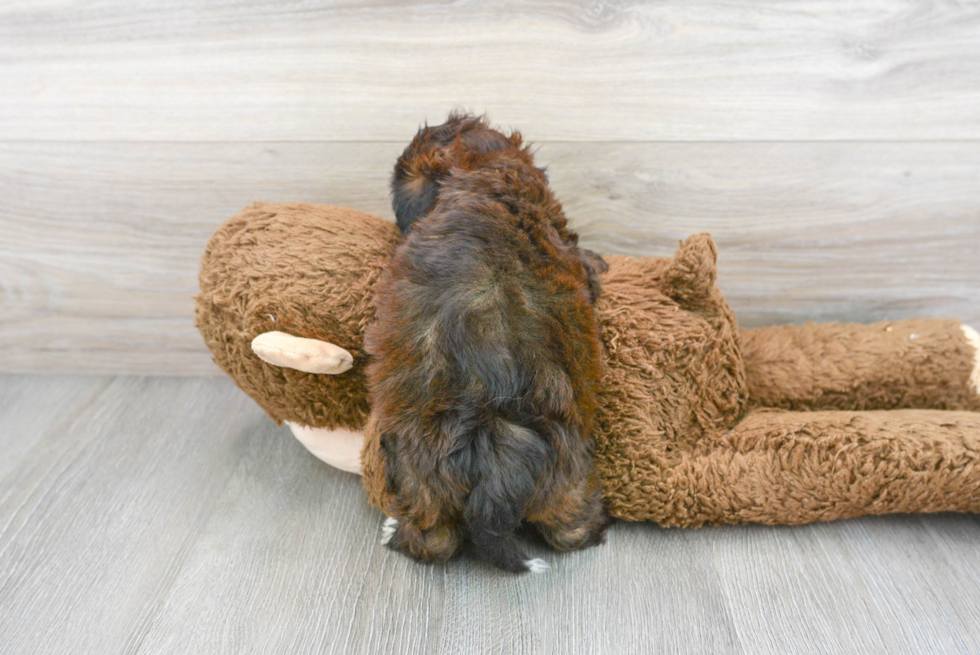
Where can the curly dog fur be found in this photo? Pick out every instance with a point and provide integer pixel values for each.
(485, 354)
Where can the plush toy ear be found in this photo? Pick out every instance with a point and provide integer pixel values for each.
(307, 355)
(693, 272)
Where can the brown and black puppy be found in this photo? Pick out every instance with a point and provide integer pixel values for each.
(485, 354)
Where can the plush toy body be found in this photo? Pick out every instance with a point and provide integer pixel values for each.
(699, 421)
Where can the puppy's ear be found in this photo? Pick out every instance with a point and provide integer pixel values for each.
(594, 265)
(426, 162)
(415, 185)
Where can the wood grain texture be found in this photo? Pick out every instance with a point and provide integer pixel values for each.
(850, 586)
(101, 242)
(96, 517)
(127, 527)
(679, 70)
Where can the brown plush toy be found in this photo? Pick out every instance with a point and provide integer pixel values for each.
(699, 422)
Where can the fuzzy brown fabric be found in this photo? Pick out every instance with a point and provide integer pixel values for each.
(676, 442)
(674, 373)
(782, 467)
(914, 363)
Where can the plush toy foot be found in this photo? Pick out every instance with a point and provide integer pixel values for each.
(973, 339)
(339, 448)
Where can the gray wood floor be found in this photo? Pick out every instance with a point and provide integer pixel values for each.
(168, 515)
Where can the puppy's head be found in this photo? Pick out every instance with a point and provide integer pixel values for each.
(432, 153)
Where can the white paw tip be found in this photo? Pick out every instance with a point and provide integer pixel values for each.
(388, 530)
(537, 565)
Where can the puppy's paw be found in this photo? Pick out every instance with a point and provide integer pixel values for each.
(388, 530)
(537, 565)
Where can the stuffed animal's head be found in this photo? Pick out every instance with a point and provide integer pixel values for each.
(295, 270)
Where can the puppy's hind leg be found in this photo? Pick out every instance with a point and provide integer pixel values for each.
(438, 543)
(574, 521)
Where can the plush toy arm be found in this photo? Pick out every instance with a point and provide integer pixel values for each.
(780, 467)
(910, 364)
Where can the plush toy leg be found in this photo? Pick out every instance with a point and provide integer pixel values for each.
(911, 364)
(339, 448)
(781, 467)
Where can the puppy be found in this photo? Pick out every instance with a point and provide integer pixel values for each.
(485, 354)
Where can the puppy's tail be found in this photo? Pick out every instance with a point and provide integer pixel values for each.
(495, 507)
(492, 536)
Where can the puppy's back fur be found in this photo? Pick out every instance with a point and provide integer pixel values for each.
(485, 354)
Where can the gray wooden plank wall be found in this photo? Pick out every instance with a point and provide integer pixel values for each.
(832, 148)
